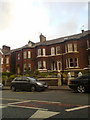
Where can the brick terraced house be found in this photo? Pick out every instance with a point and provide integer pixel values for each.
(65, 54)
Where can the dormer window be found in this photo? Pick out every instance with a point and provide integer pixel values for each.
(30, 43)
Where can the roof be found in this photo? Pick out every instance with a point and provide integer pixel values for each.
(54, 41)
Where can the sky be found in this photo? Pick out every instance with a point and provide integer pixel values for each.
(24, 20)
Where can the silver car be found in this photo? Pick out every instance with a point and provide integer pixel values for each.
(1, 86)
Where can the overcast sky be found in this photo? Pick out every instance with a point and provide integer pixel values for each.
(24, 20)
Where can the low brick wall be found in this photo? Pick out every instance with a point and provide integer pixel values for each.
(50, 81)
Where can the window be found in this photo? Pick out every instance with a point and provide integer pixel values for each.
(39, 65)
(88, 60)
(88, 43)
(76, 62)
(7, 60)
(66, 63)
(24, 66)
(53, 66)
(52, 51)
(29, 66)
(25, 55)
(39, 52)
(1, 60)
(71, 64)
(75, 47)
(58, 50)
(44, 52)
(66, 50)
(44, 64)
(18, 55)
(70, 48)
(29, 54)
(59, 65)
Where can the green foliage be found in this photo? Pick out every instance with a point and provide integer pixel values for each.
(37, 72)
(7, 74)
(86, 72)
(4, 77)
(26, 75)
(12, 77)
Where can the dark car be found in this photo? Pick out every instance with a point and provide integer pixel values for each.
(28, 83)
(80, 84)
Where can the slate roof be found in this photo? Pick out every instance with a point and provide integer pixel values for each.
(54, 41)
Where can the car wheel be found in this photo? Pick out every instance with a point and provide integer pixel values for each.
(13, 88)
(81, 89)
(33, 88)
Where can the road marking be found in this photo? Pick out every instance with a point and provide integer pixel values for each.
(27, 107)
(1, 106)
(19, 102)
(43, 114)
(22, 100)
(77, 108)
(44, 101)
(11, 99)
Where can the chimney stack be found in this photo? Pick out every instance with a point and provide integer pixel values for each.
(42, 38)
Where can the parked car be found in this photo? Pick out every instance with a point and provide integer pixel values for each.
(80, 84)
(27, 83)
(1, 86)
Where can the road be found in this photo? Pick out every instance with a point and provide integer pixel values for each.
(46, 105)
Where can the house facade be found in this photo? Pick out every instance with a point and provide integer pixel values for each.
(65, 54)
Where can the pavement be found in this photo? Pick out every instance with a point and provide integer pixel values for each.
(62, 87)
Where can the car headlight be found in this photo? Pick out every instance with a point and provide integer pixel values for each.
(39, 84)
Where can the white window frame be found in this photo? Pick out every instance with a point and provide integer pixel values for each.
(24, 67)
(58, 47)
(53, 67)
(70, 47)
(39, 52)
(7, 60)
(52, 50)
(89, 60)
(24, 54)
(44, 64)
(39, 64)
(76, 62)
(88, 44)
(66, 49)
(67, 63)
(18, 56)
(44, 52)
(75, 47)
(29, 54)
(1, 60)
(71, 62)
(59, 65)
(29, 66)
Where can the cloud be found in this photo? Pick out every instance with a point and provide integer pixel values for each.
(5, 15)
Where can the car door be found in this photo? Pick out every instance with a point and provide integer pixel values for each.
(25, 83)
(17, 83)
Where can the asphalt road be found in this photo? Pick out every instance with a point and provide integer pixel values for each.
(57, 104)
